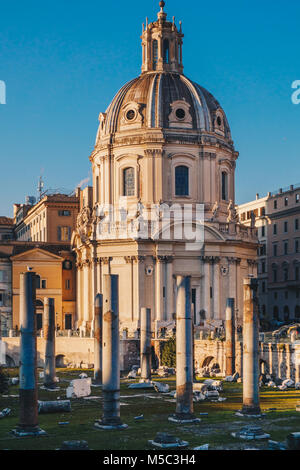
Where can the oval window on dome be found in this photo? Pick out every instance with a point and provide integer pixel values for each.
(219, 121)
(130, 115)
(180, 113)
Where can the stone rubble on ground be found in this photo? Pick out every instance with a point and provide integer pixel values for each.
(79, 388)
(204, 447)
(83, 375)
(250, 433)
(5, 412)
(167, 441)
(161, 387)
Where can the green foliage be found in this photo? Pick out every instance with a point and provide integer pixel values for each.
(168, 357)
(4, 380)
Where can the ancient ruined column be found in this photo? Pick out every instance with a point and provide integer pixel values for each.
(110, 356)
(250, 349)
(98, 339)
(184, 353)
(28, 424)
(49, 334)
(145, 345)
(230, 337)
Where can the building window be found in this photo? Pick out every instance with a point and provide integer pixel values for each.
(224, 186)
(263, 267)
(155, 53)
(1, 299)
(64, 213)
(3, 276)
(68, 284)
(297, 312)
(297, 198)
(285, 227)
(68, 321)
(274, 275)
(275, 229)
(275, 313)
(67, 264)
(181, 181)
(64, 234)
(286, 201)
(166, 51)
(38, 281)
(128, 182)
(44, 284)
(263, 231)
(274, 250)
(275, 204)
(263, 287)
(296, 224)
(286, 274)
(285, 247)
(297, 273)
(286, 313)
(296, 246)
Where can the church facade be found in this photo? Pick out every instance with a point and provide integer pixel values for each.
(163, 146)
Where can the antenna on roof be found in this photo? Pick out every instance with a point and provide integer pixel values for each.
(40, 187)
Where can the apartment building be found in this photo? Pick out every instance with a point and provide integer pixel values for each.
(277, 220)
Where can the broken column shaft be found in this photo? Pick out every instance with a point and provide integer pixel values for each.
(145, 345)
(49, 335)
(250, 349)
(28, 424)
(110, 356)
(184, 353)
(230, 337)
(98, 339)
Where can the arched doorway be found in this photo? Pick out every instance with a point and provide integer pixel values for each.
(207, 361)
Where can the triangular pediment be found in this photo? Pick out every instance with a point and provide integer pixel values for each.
(36, 254)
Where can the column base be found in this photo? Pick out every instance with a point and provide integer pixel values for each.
(28, 432)
(184, 418)
(109, 426)
(250, 412)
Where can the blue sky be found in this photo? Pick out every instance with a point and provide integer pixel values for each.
(63, 61)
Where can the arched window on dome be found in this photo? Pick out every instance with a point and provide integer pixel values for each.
(181, 181)
(128, 182)
(166, 51)
(155, 53)
(224, 186)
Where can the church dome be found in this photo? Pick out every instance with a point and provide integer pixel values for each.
(165, 100)
(162, 97)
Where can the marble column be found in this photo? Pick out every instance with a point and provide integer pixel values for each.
(159, 288)
(184, 354)
(170, 289)
(28, 420)
(251, 370)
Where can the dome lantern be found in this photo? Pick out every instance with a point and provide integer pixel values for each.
(162, 45)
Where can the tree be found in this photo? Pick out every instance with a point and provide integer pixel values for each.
(168, 357)
(4, 381)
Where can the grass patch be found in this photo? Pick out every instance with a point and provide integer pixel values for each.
(214, 429)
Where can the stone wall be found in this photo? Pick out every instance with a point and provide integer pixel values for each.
(75, 351)
(280, 359)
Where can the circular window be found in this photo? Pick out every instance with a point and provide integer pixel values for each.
(130, 115)
(219, 121)
(180, 113)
